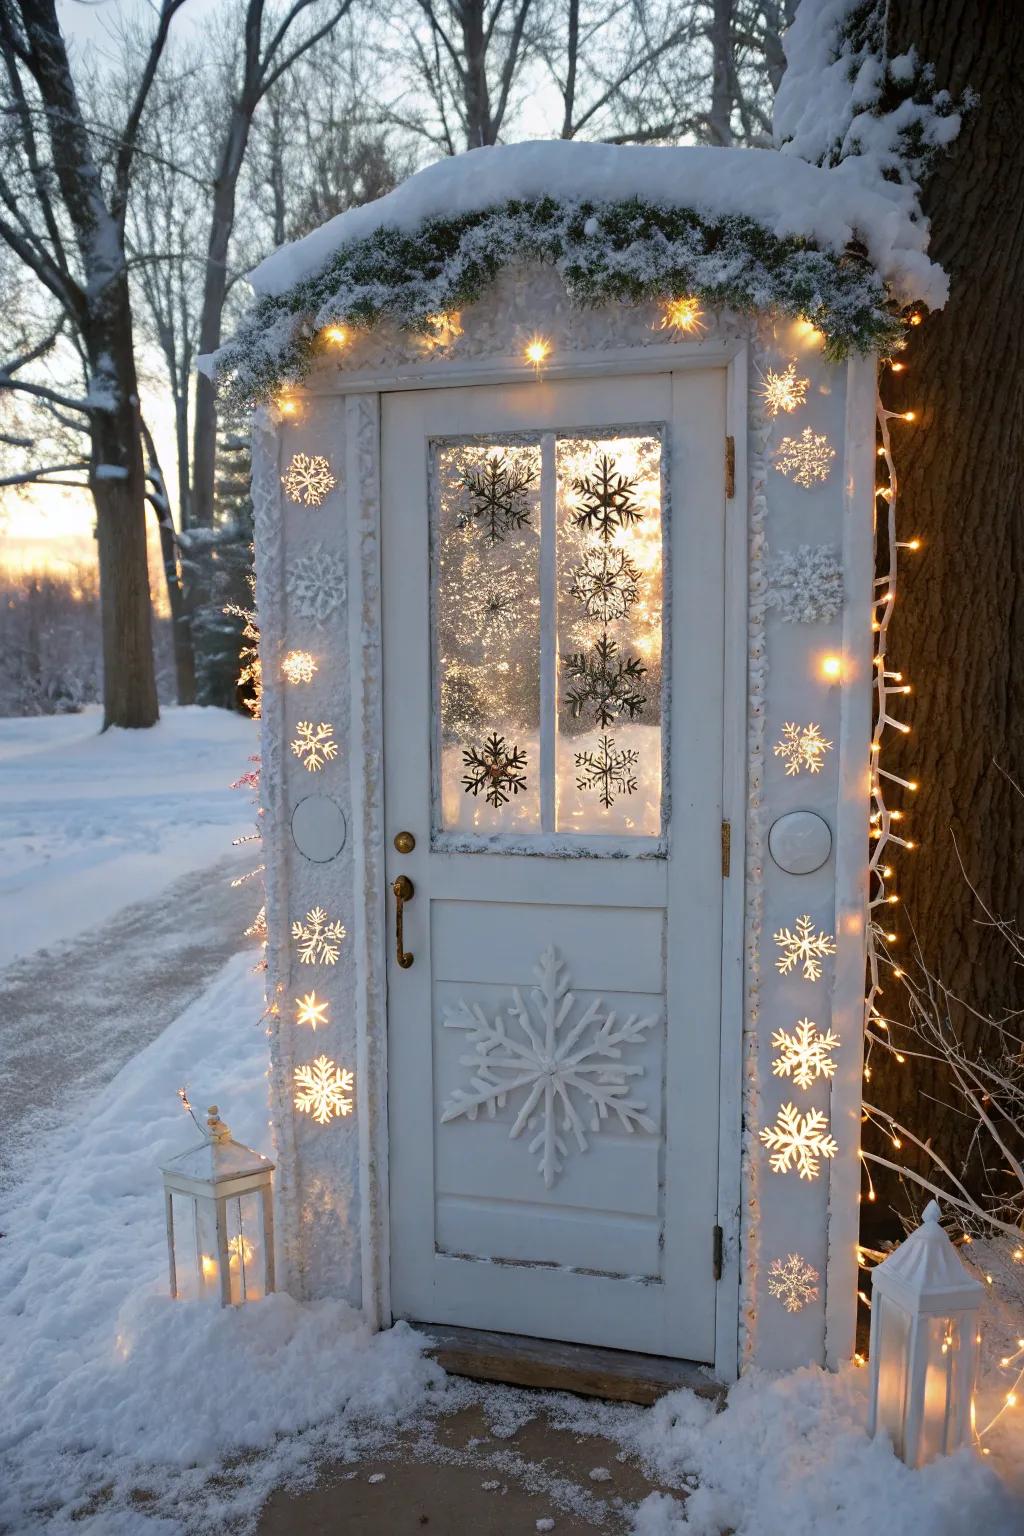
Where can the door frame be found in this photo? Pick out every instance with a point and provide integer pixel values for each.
(358, 399)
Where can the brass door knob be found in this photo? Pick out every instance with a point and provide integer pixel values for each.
(405, 842)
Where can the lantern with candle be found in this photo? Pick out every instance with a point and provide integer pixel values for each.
(220, 1220)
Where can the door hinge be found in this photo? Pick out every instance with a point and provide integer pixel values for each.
(730, 468)
(716, 1254)
(726, 848)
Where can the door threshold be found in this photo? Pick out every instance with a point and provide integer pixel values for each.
(617, 1374)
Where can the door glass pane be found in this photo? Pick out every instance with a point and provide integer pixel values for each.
(486, 560)
(609, 601)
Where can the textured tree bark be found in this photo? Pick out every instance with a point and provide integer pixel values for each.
(958, 626)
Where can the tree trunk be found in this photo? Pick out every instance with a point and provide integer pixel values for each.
(720, 116)
(958, 626)
(479, 128)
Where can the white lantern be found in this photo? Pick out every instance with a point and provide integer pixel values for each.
(924, 1345)
(220, 1220)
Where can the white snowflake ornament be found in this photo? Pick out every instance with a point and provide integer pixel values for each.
(804, 1055)
(805, 584)
(318, 937)
(793, 1281)
(803, 947)
(324, 1090)
(565, 1070)
(799, 1141)
(316, 584)
(802, 746)
(807, 459)
(314, 745)
(781, 390)
(308, 479)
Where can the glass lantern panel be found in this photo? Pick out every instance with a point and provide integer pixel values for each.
(246, 1248)
(486, 601)
(942, 1372)
(208, 1268)
(892, 1343)
(609, 563)
(186, 1256)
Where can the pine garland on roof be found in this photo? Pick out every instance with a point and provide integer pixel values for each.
(625, 252)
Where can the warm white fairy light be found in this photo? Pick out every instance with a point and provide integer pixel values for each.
(310, 1010)
(536, 351)
(683, 314)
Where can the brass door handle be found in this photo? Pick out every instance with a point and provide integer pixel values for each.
(404, 891)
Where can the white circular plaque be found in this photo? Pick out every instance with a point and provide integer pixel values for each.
(800, 842)
(318, 828)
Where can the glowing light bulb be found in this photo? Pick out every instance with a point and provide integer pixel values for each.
(832, 668)
(683, 314)
(537, 349)
(898, 367)
(909, 416)
(915, 319)
(287, 406)
(336, 335)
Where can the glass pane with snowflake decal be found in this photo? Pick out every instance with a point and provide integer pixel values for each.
(485, 552)
(609, 561)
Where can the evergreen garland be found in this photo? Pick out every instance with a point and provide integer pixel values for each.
(625, 252)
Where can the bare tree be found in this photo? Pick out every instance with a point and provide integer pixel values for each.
(64, 190)
(269, 47)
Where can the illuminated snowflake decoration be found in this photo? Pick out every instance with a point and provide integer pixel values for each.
(793, 1281)
(783, 391)
(310, 1009)
(496, 769)
(684, 314)
(607, 504)
(499, 495)
(571, 1074)
(607, 583)
(802, 746)
(799, 1141)
(804, 1055)
(324, 1090)
(605, 680)
(806, 584)
(319, 940)
(803, 947)
(299, 666)
(807, 459)
(308, 479)
(316, 584)
(607, 771)
(314, 745)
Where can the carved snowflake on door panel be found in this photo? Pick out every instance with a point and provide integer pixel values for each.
(571, 1074)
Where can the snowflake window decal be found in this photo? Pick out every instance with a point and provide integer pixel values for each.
(804, 1055)
(308, 479)
(793, 1281)
(807, 459)
(566, 1070)
(607, 770)
(496, 769)
(799, 1141)
(607, 583)
(318, 937)
(324, 1090)
(499, 493)
(605, 680)
(314, 745)
(781, 390)
(316, 584)
(803, 947)
(802, 746)
(607, 501)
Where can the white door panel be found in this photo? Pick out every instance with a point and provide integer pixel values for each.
(553, 555)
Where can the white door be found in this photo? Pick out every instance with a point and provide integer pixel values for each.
(553, 658)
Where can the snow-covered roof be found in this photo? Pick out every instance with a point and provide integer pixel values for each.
(778, 190)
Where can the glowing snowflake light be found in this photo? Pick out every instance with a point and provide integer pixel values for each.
(314, 745)
(783, 391)
(802, 746)
(311, 1010)
(799, 1141)
(308, 479)
(807, 459)
(793, 1281)
(684, 314)
(316, 584)
(319, 940)
(324, 1090)
(299, 666)
(804, 1055)
(559, 1073)
(804, 948)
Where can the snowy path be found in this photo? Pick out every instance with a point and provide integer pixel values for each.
(72, 1015)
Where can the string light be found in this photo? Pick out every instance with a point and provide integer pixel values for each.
(683, 314)
(287, 406)
(537, 349)
(336, 335)
(832, 668)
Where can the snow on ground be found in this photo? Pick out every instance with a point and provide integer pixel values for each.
(90, 822)
(124, 1414)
